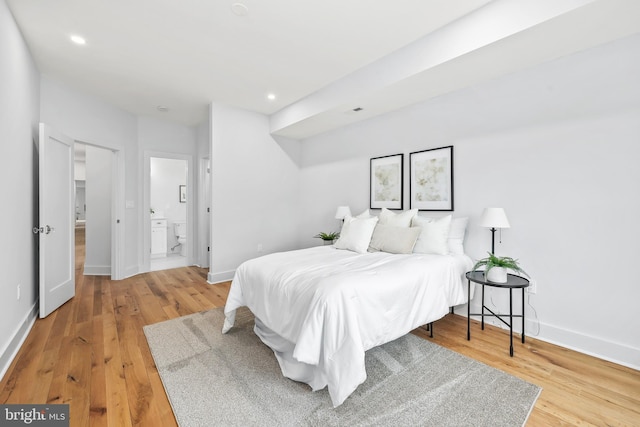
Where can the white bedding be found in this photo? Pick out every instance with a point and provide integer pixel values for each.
(320, 309)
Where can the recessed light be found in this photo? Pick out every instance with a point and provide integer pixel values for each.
(78, 39)
(162, 108)
(271, 96)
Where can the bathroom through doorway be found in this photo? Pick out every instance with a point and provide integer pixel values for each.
(168, 213)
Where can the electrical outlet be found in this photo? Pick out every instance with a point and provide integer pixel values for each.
(533, 287)
(18, 291)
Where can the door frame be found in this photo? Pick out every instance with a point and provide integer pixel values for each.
(117, 209)
(204, 215)
(144, 219)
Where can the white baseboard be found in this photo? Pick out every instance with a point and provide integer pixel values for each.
(621, 354)
(599, 347)
(97, 270)
(131, 271)
(224, 276)
(16, 342)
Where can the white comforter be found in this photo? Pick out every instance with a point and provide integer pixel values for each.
(320, 309)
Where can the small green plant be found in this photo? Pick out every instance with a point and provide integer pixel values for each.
(327, 236)
(494, 261)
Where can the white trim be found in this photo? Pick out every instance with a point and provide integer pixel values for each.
(131, 271)
(118, 214)
(97, 270)
(619, 353)
(224, 276)
(21, 334)
(204, 217)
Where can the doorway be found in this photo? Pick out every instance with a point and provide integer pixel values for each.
(168, 208)
(96, 188)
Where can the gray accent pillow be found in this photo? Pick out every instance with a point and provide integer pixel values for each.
(394, 239)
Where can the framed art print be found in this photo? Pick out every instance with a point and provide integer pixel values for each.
(386, 182)
(431, 179)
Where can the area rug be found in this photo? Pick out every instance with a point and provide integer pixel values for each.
(235, 380)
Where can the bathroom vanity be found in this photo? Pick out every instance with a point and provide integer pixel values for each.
(158, 237)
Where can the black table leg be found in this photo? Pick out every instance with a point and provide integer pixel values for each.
(522, 290)
(510, 322)
(482, 315)
(468, 310)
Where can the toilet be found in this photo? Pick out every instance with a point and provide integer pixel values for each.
(180, 231)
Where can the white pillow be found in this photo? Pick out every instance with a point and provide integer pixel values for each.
(364, 214)
(394, 240)
(457, 231)
(402, 219)
(356, 234)
(434, 235)
(456, 235)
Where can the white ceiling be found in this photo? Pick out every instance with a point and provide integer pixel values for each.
(320, 58)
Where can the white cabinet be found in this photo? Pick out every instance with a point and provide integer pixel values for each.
(158, 238)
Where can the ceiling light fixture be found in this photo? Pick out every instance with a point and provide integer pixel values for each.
(239, 9)
(78, 39)
(271, 96)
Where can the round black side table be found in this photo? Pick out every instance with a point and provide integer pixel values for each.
(513, 282)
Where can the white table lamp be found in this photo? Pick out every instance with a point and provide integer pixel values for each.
(342, 212)
(494, 218)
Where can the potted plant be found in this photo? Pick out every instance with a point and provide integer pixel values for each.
(327, 238)
(496, 267)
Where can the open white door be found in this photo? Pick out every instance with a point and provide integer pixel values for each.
(56, 198)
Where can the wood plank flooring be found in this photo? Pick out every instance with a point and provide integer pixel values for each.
(92, 354)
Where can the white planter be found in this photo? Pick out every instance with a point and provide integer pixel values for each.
(497, 275)
(327, 242)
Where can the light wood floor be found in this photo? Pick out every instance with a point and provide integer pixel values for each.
(92, 354)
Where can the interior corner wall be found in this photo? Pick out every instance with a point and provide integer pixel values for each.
(19, 118)
(254, 194)
(563, 165)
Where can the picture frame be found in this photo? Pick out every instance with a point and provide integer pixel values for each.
(431, 179)
(182, 193)
(386, 182)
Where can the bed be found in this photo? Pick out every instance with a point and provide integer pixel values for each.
(319, 309)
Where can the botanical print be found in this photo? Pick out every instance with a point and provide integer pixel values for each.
(387, 183)
(431, 180)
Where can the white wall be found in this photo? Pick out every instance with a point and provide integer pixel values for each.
(90, 120)
(557, 147)
(165, 139)
(98, 191)
(19, 117)
(255, 191)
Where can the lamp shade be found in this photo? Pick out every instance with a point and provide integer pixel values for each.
(494, 218)
(342, 211)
